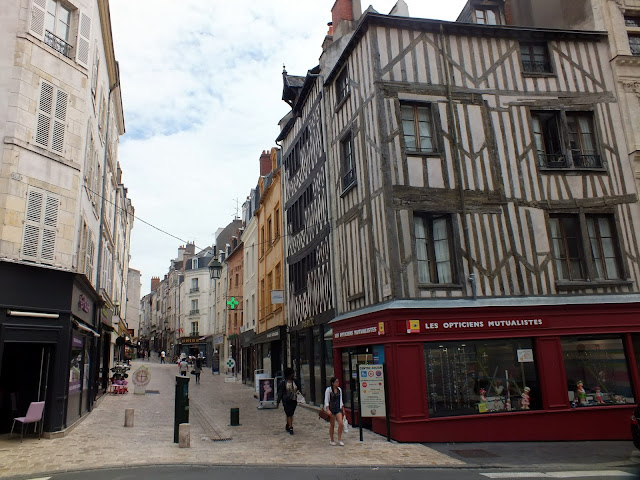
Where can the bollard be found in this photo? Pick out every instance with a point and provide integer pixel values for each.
(128, 417)
(235, 417)
(184, 432)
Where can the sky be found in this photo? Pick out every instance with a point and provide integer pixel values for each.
(201, 87)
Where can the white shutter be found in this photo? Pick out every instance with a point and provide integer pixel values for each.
(37, 15)
(84, 40)
(31, 237)
(49, 228)
(45, 105)
(89, 262)
(59, 122)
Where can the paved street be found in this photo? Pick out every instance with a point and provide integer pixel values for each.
(101, 440)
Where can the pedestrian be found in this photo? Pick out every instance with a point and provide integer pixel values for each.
(333, 404)
(197, 368)
(288, 393)
(162, 355)
(183, 366)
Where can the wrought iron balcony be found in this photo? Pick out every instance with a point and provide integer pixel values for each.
(586, 161)
(194, 312)
(552, 160)
(529, 66)
(57, 44)
(348, 178)
(194, 290)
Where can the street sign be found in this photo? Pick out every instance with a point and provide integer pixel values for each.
(231, 363)
(372, 397)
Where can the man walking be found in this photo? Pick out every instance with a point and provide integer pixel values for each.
(183, 366)
(162, 355)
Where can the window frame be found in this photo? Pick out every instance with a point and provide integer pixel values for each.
(417, 107)
(633, 31)
(547, 62)
(568, 157)
(348, 178)
(430, 249)
(343, 87)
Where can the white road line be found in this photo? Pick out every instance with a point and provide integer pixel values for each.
(567, 474)
(39, 478)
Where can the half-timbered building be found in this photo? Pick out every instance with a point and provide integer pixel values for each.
(484, 221)
(309, 299)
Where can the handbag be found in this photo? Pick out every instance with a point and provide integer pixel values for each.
(324, 415)
(300, 398)
(193, 372)
(345, 424)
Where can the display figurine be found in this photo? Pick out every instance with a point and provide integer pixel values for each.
(525, 400)
(483, 395)
(599, 398)
(581, 394)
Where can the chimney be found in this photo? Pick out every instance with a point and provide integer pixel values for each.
(155, 281)
(181, 253)
(265, 163)
(349, 10)
(190, 249)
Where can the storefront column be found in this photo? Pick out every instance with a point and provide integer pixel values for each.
(633, 365)
(552, 373)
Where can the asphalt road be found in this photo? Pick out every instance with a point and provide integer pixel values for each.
(331, 473)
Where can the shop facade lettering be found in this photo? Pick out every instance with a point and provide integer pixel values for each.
(536, 322)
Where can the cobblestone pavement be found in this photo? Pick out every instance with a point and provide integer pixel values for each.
(101, 440)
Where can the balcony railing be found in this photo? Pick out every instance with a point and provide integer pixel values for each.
(586, 161)
(529, 66)
(57, 44)
(349, 178)
(194, 312)
(552, 160)
(194, 290)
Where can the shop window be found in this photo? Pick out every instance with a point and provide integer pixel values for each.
(597, 372)
(478, 377)
(433, 248)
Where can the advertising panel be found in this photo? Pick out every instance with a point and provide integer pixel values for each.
(372, 401)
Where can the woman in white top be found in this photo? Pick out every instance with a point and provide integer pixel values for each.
(333, 404)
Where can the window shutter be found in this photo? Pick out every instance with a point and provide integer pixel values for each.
(31, 237)
(83, 43)
(36, 23)
(89, 261)
(49, 228)
(45, 104)
(59, 122)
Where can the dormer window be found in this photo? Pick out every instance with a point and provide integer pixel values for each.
(487, 16)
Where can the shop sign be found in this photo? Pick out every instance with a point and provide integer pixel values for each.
(484, 324)
(356, 332)
(190, 340)
(82, 306)
(218, 339)
(275, 334)
(277, 296)
(308, 323)
(372, 401)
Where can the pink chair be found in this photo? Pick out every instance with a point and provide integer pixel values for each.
(34, 415)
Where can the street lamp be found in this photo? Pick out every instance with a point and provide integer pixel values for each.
(215, 269)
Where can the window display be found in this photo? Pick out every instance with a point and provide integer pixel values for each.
(597, 372)
(477, 377)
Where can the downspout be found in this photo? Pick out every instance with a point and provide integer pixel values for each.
(457, 159)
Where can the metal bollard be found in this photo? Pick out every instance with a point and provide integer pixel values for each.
(184, 432)
(235, 417)
(128, 417)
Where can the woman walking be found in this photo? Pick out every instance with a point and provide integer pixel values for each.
(197, 369)
(288, 394)
(333, 404)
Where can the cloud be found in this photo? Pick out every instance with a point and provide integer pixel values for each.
(202, 88)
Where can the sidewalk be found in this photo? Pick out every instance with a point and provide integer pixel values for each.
(101, 440)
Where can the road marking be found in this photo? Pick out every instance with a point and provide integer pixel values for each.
(568, 474)
(39, 478)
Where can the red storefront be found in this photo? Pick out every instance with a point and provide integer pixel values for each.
(499, 370)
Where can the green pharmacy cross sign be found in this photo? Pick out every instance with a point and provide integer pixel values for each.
(233, 303)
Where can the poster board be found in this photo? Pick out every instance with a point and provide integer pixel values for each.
(372, 391)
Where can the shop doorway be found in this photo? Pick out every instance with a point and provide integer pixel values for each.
(24, 378)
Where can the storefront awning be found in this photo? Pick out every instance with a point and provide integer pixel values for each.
(81, 326)
(275, 334)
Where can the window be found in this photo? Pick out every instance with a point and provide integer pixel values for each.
(194, 307)
(269, 232)
(417, 128)
(194, 329)
(296, 213)
(552, 152)
(597, 372)
(57, 26)
(262, 241)
(487, 16)
(52, 118)
(194, 263)
(535, 58)
(278, 277)
(433, 248)
(194, 285)
(569, 254)
(299, 271)
(342, 85)
(94, 75)
(348, 166)
(237, 279)
(276, 223)
(477, 377)
(632, 22)
(40, 226)
(269, 288)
